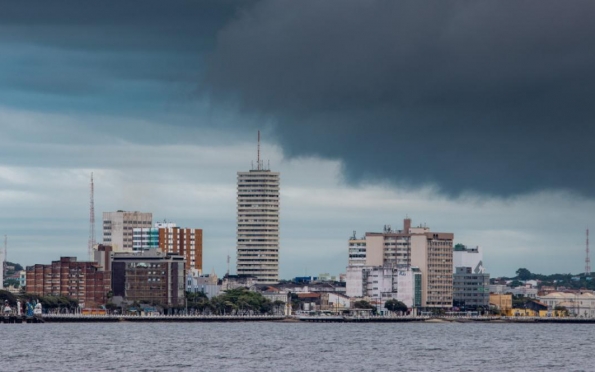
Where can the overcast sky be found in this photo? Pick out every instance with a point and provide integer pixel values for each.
(473, 117)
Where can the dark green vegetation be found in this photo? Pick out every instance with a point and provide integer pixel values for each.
(571, 281)
(365, 305)
(238, 301)
(395, 305)
(60, 303)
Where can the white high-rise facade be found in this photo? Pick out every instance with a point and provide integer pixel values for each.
(258, 224)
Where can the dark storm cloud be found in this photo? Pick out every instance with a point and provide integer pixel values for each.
(495, 97)
(71, 48)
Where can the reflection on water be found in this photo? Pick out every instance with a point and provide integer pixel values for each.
(296, 347)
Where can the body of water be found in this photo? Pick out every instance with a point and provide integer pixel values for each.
(296, 347)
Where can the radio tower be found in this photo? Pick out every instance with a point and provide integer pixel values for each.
(587, 258)
(91, 221)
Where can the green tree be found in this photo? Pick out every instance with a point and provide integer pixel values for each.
(363, 304)
(395, 305)
(523, 274)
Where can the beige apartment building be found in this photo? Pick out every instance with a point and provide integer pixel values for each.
(258, 225)
(418, 247)
(118, 228)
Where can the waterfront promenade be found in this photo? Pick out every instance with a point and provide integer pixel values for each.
(79, 318)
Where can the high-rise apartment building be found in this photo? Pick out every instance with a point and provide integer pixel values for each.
(411, 247)
(118, 228)
(258, 224)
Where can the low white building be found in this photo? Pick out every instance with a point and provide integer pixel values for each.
(207, 283)
(525, 291)
(382, 283)
(578, 304)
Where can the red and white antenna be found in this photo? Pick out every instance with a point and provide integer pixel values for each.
(587, 258)
(91, 221)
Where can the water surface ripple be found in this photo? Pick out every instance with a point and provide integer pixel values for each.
(296, 347)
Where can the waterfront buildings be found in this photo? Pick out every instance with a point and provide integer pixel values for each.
(258, 224)
(382, 283)
(526, 290)
(502, 302)
(151, 277)
(471, 284)
(118, 228)
(471, 289)
(83, 281)
(578, 304)
(430, 252)
(203, 283)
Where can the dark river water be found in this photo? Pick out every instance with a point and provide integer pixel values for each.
(296, 347)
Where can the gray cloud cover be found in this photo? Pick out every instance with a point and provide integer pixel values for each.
(482, 96)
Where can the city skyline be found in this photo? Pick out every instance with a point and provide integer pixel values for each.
(473, 118)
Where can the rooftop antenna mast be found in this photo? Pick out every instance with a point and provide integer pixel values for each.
(587, 258)
(228, 264)
(91, 220)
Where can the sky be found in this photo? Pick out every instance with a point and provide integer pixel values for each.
(471, 117)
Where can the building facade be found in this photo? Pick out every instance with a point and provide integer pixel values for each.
(150, 277)
(471, 289)
(466, 256)
(83, 281)
(430, 252)
(183, 241)
(502, 302)
(258, 225)
(357, 251)
(203, 283)
(118, 228)
(578, 304)
(382, 283)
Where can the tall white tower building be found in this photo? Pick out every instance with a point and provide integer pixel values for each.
(258, 223)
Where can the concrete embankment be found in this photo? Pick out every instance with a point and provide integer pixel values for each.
(76, 318)
(140, 319)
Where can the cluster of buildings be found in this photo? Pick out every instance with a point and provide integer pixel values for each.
(157, 263)
(418, 267)
(138, 261)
